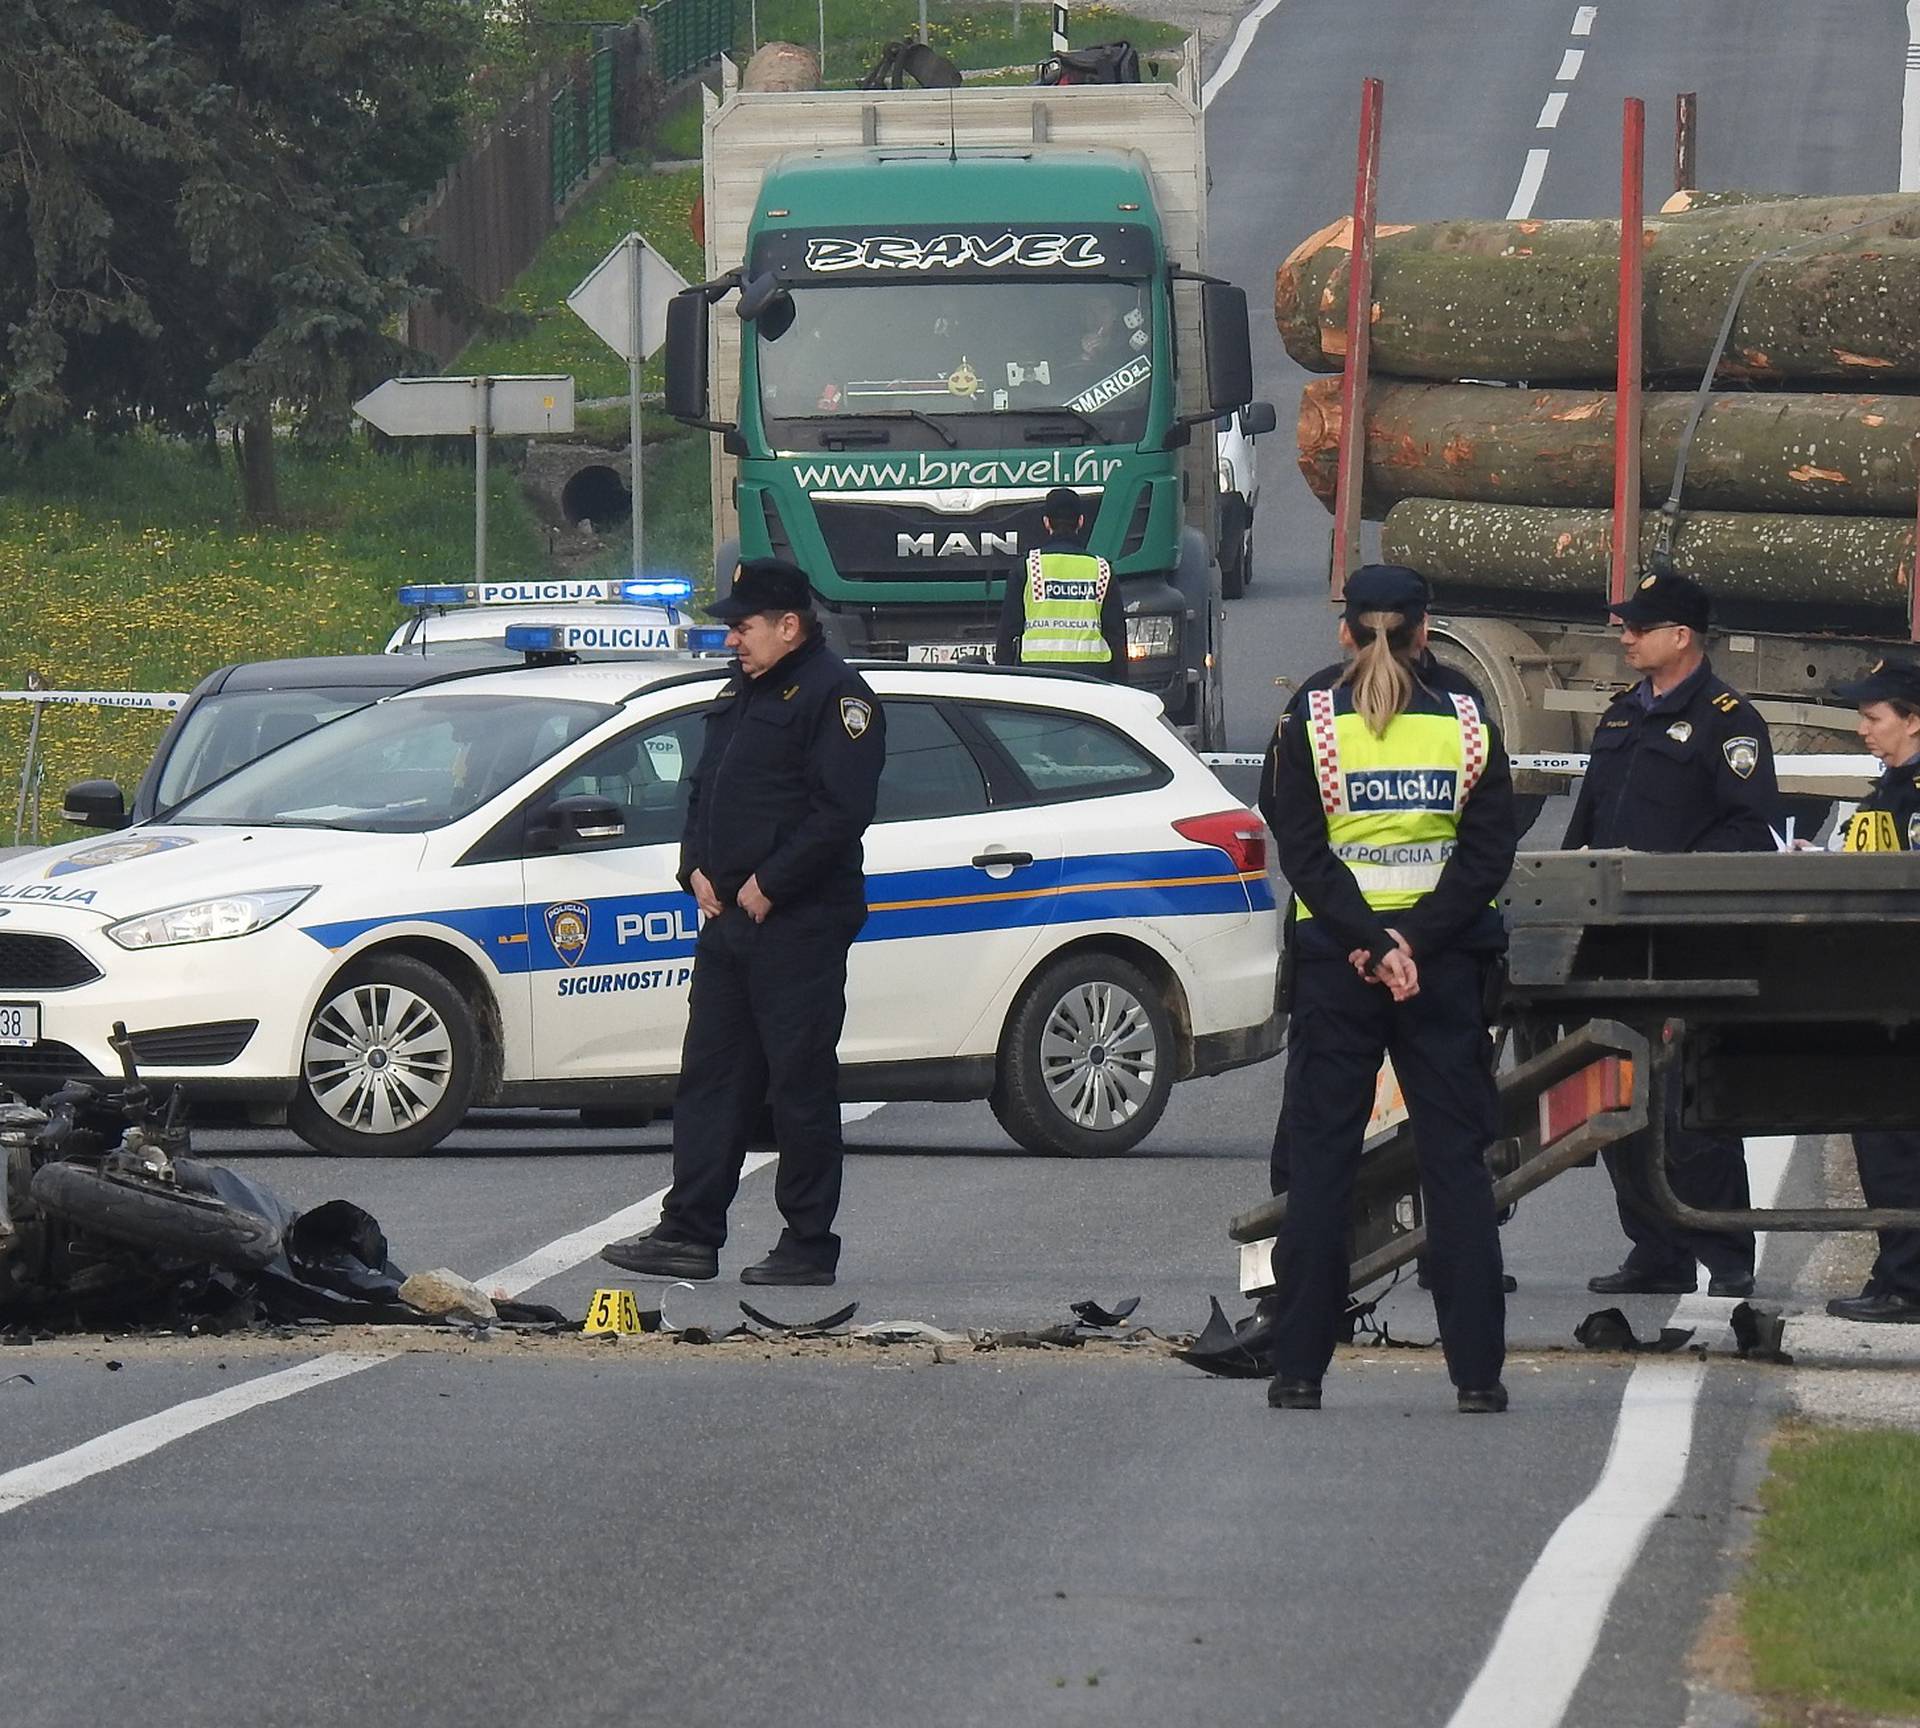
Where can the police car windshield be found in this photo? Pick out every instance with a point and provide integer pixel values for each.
(399, 767)
(225, 732)
(988, 358)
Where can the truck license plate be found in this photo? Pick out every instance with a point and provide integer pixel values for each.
(951, 653)
(19, 1022)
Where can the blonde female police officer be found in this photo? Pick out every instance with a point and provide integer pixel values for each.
(1392, 813)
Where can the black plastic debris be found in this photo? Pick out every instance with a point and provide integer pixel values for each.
(1608, 1329)
(1240, 1350)
(821, 1328)
(1757, 1333)
(1093, 1314)
(25, 1379)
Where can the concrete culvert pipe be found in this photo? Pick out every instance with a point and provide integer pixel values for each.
(597, 495)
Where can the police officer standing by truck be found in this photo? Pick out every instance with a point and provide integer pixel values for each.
(1062, 607)
(1680, 763)
(1392, 813)
(1888, 820)
(785, 787)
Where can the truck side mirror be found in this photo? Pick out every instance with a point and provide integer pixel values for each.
(767, 302)
(687, 357)
(1258, 417)
(1229, 354)
(94, 804)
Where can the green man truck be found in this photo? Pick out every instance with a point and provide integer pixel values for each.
(925, 310)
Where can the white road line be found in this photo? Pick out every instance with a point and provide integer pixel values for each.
(1910, 105)
(1237, 49)
(1583, 18)
(1529, 189)
(119, 1446)
(1550, 1632)
(31, 1482)
(1570, 63)
(1551, 110)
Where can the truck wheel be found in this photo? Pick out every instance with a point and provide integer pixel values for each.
(155, 1217)
(390, 1063)
(1086, 1062)
(1236, 546)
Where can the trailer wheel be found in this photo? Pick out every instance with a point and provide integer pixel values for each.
(1086, 1062)
(390, 1062)
(1236, 546)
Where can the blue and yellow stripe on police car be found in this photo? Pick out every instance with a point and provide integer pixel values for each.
(901, 905)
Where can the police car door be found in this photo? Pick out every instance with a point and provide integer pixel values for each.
(609, 930)
(957, 892)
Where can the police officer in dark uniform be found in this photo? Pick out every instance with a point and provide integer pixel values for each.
(1680, 763)
(1888, 820)
(1392, 812)
(784, 789)
(1063, 556)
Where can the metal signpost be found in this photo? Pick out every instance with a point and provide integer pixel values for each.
(446, 407)
(623, 301)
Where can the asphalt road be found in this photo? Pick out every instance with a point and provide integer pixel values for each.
(504, 1533)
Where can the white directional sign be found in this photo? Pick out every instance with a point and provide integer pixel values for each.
(442, 407)
(631, 276)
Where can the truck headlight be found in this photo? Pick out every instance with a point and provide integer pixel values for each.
(207, 920)
(1154, 637)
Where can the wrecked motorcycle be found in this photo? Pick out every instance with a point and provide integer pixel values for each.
(101, 1206)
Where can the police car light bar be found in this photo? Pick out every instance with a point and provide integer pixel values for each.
(608, 635)
(706, 638)
(534, 638)
(668, 588)
(435, 594)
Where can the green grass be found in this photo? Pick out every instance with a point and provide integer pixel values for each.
(1832, 1602)
(126, 565)
(676, 136)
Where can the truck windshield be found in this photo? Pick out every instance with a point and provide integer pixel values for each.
(399, 767)
(988, 360)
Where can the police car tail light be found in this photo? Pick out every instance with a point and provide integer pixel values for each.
(1152, 638)
(667, 589)
(435, 594)
(207, 920)
(1238, 833)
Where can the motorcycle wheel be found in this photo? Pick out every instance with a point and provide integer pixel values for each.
(154, 1218)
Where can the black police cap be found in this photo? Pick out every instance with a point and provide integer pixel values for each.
(1063, 507)
(1665, 597)
(1885, 681)
(1387, 588)
(763, 585)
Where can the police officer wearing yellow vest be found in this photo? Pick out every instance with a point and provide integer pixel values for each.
(1888, 820)
(1062, 607)
(1680, 763)
(1392, 813)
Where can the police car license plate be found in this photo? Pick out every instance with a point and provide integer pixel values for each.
(950, 653)
(19, 1022)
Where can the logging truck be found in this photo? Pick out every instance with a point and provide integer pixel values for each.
(949, 302)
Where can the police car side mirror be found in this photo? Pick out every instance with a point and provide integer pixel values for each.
(94, 804)
(581, 822)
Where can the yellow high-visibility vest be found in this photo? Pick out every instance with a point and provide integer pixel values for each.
(1393, 802)
(1061, 598)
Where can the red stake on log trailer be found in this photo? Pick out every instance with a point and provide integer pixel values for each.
(1353, 382)
(1913, 576)
(1626, 420)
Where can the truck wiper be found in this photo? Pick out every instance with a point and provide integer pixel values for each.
(927, 420)
(1040, 434)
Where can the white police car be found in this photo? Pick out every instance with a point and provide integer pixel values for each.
(464, 894)
(599, 616)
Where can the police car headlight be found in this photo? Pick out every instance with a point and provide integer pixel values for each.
(207, 920)
(1152, 638)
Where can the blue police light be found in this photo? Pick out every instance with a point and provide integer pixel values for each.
(671, 589)
(706, 639)
(433, 594)
(533, 638)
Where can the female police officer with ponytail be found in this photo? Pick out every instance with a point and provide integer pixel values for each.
(1392, 812)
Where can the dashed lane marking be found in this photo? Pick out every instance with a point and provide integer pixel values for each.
(1570, 64)
(1583, 18)
(1529, 188)
(1551, 110)
(1910, 105)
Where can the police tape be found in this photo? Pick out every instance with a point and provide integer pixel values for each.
(1843, 766)
(166, 701)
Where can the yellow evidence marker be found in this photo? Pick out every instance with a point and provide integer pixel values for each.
(612, 1311)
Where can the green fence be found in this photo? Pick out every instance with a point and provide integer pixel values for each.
(689, 34)
(580, 126)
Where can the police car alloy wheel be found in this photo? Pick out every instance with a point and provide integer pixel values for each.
(1086, 1065)
(390, 1062)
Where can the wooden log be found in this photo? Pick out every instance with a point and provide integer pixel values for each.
(1834, 572)
(1827, 454)
(1311, 284)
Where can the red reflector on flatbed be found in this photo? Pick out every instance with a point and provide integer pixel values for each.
(1601, 1086)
